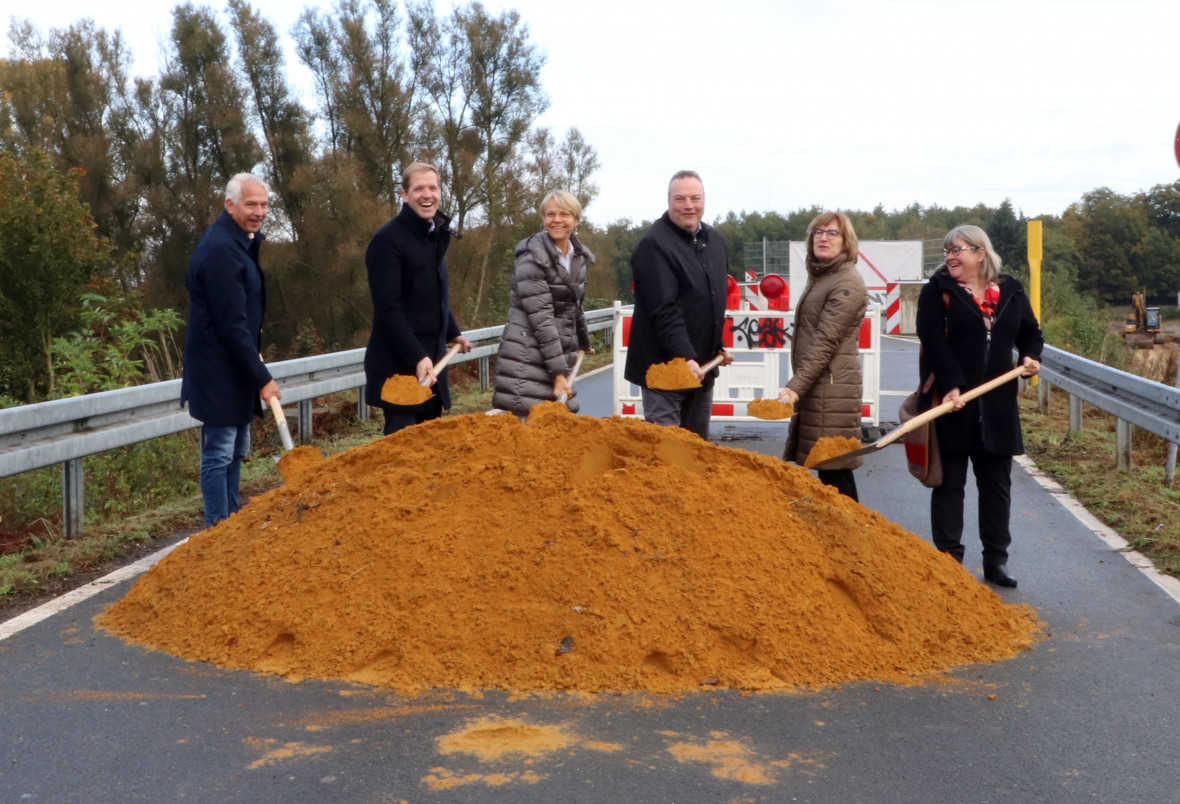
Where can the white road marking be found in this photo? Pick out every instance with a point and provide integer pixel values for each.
(59, 604)
(1170, 585)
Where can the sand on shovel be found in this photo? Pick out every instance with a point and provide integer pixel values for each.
(402, 389)
(568, 553)
(675, 375)
(770, 409)
(830, 447)
(298, 460)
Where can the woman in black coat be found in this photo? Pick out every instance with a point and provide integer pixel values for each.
(970, 318)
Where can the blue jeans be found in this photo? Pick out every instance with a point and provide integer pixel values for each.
(222, 451)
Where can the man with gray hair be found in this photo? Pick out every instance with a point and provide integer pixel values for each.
(225, 380)
(679, 268)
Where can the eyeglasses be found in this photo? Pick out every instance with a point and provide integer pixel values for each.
(820, 234)
(955, 251)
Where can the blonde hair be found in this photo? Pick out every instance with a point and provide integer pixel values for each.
(851, 249)
(416, 167)
(562, 199)
(975, 237)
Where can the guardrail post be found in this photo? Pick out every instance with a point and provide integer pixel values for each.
(1075, 414)
(1122, 445)
(1043, 395)
(484, 374)
(362, 407)
(72, 501)
(305, 408)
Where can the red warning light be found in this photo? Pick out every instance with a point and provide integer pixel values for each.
(774, 288)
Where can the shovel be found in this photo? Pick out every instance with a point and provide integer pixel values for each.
(706, 368)
(400, 390)
(294, 459)
(440, 365)
(922, 418)
(281, 421)
(563, 398)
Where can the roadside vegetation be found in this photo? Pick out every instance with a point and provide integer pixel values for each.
(1138, 505)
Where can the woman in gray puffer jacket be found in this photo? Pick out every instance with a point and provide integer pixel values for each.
(546, 324)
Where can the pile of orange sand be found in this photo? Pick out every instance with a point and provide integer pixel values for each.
(771, 409)
(675, 375)
(830, 447)
(298, 460)
(402, 389)
(568, 553)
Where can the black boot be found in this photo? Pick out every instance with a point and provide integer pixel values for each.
(999, 576)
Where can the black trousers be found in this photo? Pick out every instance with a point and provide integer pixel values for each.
(399, 418)
(842, 480)
(993, 477)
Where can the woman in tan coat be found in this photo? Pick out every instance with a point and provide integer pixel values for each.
(826, 384)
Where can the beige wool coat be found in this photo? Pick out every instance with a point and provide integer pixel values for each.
(824, 360)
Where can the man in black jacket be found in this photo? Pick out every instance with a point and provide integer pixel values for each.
(224, 376)
(679, 268)
(412, 321)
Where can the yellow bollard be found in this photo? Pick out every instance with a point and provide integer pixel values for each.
(1035, 252)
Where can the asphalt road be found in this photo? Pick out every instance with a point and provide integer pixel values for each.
(1092, 713)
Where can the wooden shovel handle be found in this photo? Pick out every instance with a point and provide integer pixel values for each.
(577, 366)
(947, 407)
(440, 365)
(281, 421)
(712, 364)
(563, 398)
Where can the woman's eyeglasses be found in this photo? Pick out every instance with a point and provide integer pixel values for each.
(955, 251)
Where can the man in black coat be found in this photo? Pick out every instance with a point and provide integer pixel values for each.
(224, 376)
(412, 320)
(679, 268)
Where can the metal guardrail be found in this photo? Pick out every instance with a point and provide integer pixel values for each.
(1153, 406)
(1132, 400)
(63, 431)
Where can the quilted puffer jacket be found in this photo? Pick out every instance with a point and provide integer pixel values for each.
(825, 361)
(546, 324)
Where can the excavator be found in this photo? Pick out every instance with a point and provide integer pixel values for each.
(1143, 322)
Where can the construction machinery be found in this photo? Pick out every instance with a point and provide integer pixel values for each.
(1143, 322)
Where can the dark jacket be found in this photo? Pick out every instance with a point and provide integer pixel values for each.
(546, 324)
(680, 289)
(227, 298)
(962, 353)
(825, 361)
(411, 301)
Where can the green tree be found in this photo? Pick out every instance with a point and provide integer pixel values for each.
(1122, 252)
(577, 162)
(279, 116)
(49, 249)
(1009, 236)
(199, 137)
(70, 97)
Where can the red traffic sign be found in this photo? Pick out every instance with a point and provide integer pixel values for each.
(1178, 145)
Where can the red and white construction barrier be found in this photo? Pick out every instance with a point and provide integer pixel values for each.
(758, 339)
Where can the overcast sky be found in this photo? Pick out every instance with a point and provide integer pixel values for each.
(848, 104)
